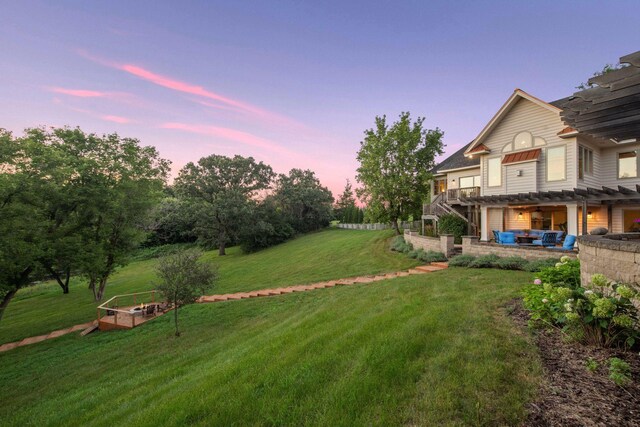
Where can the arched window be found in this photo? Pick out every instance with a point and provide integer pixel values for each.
(538, 142)
(523, 140)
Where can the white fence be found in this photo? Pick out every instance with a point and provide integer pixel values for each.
(405, 225)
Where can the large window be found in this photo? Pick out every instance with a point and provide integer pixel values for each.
(585, 162)
(556, 164)
(470, 181)
(628, 164)
(631, 220)
(494, 172)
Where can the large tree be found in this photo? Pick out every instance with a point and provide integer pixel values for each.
(303, 200)
(345, 203)
(223, 187)
(394, 167)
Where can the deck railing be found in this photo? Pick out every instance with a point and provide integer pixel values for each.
(454, 194)
(113, 304)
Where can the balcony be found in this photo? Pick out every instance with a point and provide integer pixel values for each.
(454, 194)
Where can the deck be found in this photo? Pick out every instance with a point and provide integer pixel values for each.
(129, 311)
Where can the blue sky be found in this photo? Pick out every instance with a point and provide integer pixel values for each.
(293, 83)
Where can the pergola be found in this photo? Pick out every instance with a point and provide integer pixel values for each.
(584, 196)
(611, 109)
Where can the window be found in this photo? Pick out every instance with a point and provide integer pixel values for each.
(538, 142)
(628, 165)
(470, 181)
(631, 220)
(585, 162)
(494, 172)
(522, 140)
(556, 164)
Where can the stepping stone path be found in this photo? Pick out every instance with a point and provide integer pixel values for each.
(434, 266)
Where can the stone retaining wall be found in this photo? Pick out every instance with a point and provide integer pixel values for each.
(472, 246)
(615, 256)
(442, 244)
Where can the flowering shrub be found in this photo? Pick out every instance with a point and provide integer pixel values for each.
(603, 316)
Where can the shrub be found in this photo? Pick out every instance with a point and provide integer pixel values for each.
(566, 272)
(592, 364)
(452, 224)
(416, 253)
(461, 260)
(398, 244)
(619, 371)
(484, 261)
(539, 264)
(432, 256)
(604, 317)
(511, 263)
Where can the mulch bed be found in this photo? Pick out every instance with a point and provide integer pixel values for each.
(571, 395)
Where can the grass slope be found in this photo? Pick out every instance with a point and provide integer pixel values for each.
(433, 349)
(330, 254)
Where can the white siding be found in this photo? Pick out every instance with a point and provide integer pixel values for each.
(495, 217)
(512, 222)
(526, 182)
(527, 116)
(609, 167)
(453, 178)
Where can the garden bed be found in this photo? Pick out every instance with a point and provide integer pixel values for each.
(571, 395)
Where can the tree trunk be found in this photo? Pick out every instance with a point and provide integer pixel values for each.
(102, 286)
(221, 243)
(395, 225)
(64, 285)
(175, 313)
(6, 300)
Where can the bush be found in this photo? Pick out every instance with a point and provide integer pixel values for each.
(511, 263)
(461, 260)
(603, 316)
(268, 228)
(432, 256)
(416, 253)
(452, 224)
(398, 244)
(540, 264)
(619, 371)
(484, 261)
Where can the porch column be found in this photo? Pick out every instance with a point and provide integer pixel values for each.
(572, 219)
(584, 218)
(484, 224)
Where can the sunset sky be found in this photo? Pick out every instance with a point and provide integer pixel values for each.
(293, 83)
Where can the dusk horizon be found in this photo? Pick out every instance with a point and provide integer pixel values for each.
(292, 85)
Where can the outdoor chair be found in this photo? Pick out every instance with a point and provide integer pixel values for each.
(150, 310)
(548, 239)
(496, 236)
(507, 238)
(559, 237)
(568, 244)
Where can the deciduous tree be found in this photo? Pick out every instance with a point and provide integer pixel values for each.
(394, 166)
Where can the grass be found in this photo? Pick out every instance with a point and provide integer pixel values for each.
(433, 349)
(330, 254)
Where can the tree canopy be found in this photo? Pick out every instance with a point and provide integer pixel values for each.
(395, 161)
(223, 187)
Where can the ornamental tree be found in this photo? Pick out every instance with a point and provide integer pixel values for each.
(395, 161)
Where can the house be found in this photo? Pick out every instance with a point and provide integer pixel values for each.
(571, 164)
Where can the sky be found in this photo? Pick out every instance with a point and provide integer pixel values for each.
(293, 83)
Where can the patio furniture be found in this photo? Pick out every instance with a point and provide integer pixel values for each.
(548, 239)
(560, 236)
(507, 238)
(496, 236)
(525, 239)
(150, 310)
(568, 244)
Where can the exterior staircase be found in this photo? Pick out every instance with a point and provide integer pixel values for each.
(439, 207)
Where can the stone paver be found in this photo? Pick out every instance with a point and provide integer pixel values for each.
(434, 266)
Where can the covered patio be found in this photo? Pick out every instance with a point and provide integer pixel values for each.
(573, 212)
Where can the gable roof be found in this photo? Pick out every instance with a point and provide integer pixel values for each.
(457, 160)
(517, 95)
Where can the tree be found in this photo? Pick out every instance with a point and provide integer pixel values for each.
(303, 200)
(223, 187)
(345, 202)
(268, 227)
(606, 69)
(172, 220)
(184, 279)
(394, 166)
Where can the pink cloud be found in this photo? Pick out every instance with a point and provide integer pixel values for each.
(115, 119)
(228, 134)
(80, 93)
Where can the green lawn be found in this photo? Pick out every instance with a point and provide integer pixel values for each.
(330, 254)
(433, 349)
